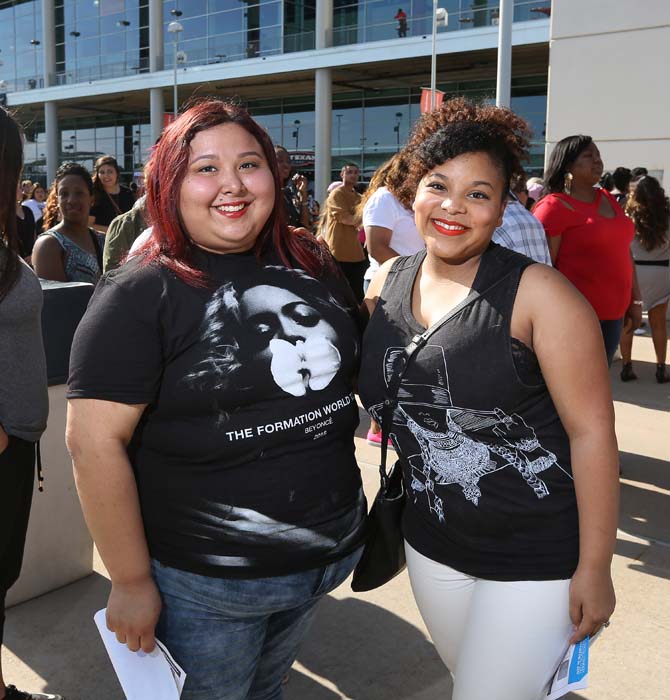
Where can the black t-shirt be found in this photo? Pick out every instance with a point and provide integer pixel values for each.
(292, 206)
(108, 206)
(26, 232)
(244, 457)
(486, 460)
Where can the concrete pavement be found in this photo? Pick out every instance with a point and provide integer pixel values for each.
(374, 646)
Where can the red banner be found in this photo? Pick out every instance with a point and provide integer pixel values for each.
(425, 99)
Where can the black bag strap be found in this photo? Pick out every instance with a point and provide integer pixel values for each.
(399, 369)
(98, 247)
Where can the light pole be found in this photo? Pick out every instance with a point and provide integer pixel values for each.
(504, 72)
(175, 28)
(296, 133)
(440, 17)
(339, 133)
(396, 128)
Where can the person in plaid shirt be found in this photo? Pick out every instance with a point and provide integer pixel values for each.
(522, 232)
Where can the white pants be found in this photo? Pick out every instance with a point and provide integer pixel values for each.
(501, 640)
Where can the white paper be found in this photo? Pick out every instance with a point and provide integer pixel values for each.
(572, 672)
(155, 675)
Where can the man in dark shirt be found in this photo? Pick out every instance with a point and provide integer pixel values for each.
(294, 191)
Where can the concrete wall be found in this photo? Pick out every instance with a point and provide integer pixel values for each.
(59, 549)
(608, 78)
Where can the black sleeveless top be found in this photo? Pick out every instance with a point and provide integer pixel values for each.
(486, 460)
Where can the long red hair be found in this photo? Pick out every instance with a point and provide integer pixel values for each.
(170, 244)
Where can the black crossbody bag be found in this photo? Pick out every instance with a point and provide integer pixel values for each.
(383, 557)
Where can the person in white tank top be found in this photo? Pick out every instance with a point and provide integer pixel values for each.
(390, 231)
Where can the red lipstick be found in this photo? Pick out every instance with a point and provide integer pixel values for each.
(448, 228)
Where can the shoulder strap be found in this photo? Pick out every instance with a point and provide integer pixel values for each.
(97, 246)
(57, 235)
(117, 209)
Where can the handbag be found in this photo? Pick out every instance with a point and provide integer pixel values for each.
(383, 556)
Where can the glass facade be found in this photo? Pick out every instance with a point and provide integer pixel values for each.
(367, 127)
(126, 137)
(361, 21)
(97, 39)
(217, 31)
(21, 56)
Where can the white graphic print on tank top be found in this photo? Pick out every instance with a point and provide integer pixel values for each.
(474, 445)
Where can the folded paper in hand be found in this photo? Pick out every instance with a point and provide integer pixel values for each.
(572, 672)
(155, 675)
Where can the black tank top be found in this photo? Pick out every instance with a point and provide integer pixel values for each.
(486, 460)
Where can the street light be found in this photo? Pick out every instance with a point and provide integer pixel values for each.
(441, 18)
(296, 133)
(396, 128)
(339, 132)
(175, 28)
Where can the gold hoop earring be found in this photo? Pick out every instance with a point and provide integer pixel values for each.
(567, 183)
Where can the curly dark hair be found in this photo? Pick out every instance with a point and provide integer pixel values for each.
(649, 208)
(51, 213)
(457, 127)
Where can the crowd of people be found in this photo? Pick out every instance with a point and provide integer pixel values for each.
(211, 396)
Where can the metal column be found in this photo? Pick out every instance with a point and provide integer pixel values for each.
(323, 118)
(323, 106)
(504, 79)
(53, 139)
(156, 63)
(50, 108)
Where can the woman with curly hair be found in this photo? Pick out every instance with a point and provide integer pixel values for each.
(503, 422)
(649, 209)
(389, 230)
(69, 250)
(211, 417)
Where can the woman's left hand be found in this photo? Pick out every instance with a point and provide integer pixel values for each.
(592, 600)
(301, 185)
(633, 316)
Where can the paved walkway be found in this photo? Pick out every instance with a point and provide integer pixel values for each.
(374, 646)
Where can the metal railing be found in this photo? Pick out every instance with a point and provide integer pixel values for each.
(269, 41)
(355, 24)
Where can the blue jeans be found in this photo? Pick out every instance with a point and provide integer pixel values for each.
(237, 638)
(611, 335)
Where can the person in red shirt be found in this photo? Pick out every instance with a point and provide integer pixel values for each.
(589, 236)
(401, 16)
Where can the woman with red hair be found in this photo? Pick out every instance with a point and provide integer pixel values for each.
(211, 416)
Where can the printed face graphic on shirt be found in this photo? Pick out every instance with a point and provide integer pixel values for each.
(288, 332)
(292, 336)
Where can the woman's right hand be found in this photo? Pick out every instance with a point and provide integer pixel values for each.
(133, 610)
